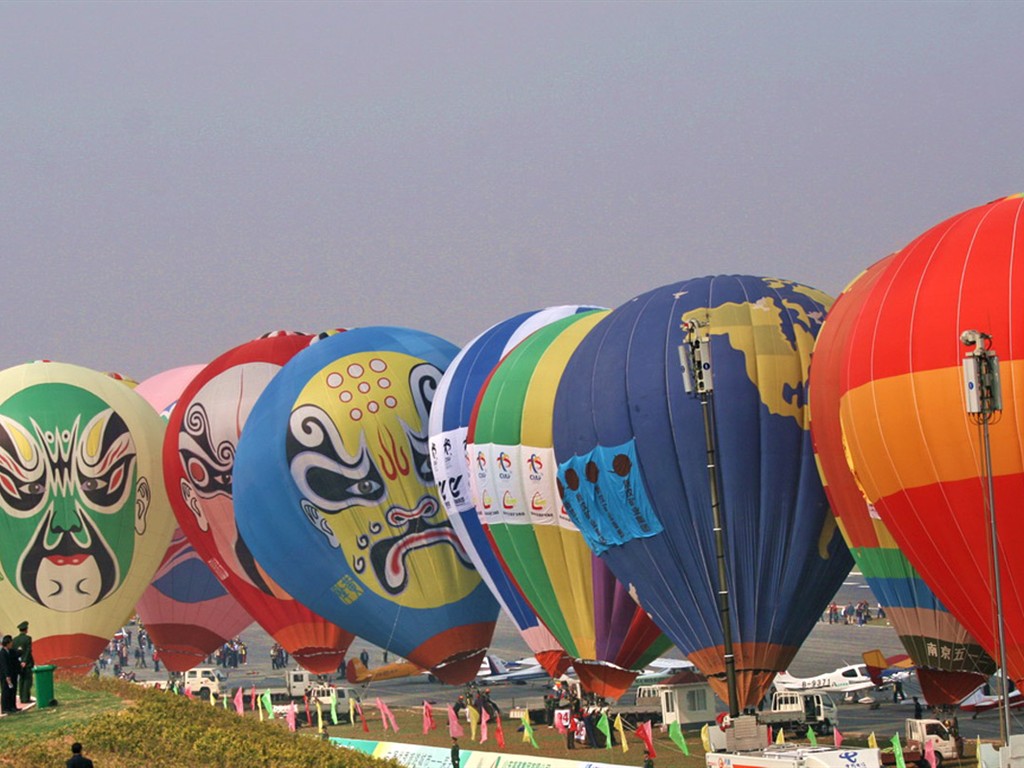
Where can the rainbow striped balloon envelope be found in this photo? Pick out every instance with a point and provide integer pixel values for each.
(608, 636)
(915, 452)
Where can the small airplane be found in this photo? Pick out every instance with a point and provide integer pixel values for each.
(494, 670)
(660, 670)
(854, 677)
(357, 673)
(876, 671)
(980, 702)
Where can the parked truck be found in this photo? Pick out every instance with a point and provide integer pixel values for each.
(200, 681)
(742, 744)
(796, 711)
(917, 733)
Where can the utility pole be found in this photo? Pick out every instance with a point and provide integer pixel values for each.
(984, 404)
(695, 360)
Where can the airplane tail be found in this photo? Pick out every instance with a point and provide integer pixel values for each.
(356, 672)
(876, 664)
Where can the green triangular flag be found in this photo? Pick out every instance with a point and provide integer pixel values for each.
(897, 750)
(811, 737)
(676, 734)
(603, 727)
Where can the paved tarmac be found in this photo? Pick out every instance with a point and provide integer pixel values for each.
(827, 647)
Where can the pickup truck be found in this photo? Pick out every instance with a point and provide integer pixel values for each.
(201, 681)
(947, 745)
(795, 711)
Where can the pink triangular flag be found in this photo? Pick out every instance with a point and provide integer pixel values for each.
(454, 728)
(240, 701)
(837, 737)
(484, 717)
(290, 717)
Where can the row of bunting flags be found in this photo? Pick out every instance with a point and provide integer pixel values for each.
(480, 719)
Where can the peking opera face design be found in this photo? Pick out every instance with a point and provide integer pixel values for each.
(357, 451)
(69, 485)
(206, 448)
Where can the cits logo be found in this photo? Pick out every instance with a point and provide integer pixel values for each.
(485, 500)
(536, 467)
(508, 501)
(504, 462)
(537, 503)
(481, 461)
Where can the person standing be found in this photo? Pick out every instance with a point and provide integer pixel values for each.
(22, 646)
(918, 709)
(8, 676)
(455, 752)
(77, 759)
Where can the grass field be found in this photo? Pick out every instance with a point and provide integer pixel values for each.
(125, 726)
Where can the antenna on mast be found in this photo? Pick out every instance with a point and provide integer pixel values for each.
(695, 361)
(984, 400)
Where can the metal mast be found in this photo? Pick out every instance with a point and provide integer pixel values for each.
(695, 360)
(984, 404)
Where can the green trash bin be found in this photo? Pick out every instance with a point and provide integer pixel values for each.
(44, 685)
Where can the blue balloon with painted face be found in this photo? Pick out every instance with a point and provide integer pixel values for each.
(335, 495)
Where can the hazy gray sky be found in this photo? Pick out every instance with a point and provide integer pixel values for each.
(178, 178)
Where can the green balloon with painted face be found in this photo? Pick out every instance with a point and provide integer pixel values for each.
(83, 513)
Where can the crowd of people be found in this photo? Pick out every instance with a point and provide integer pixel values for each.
(856, 614)
(231, 655)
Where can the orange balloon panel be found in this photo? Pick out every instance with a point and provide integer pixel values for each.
(913, 448)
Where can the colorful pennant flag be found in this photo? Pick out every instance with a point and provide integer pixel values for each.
(780, 737)
(705, 737)
(352, 710)
(319, 716)
(213, 699)
(252, 700)
(334, 705)
(474, 720)
(604, 727)
(621, 730)
(812, 736)
(454, 728)
(362, 718)
(646, 734)
(837, 737)
(676, 734)
(309, 717)
(484, 718)
(929, 753)
(872, 741)
(290, 717)
(386, 716)
(428, 718)
(499, 734)
(897, 750)
(267, 703)
(527, 730)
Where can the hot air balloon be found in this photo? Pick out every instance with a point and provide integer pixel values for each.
(633, 462)
(186, 610)
(336, 498)
(449, 424)
(916, 453)
(950, 663)
(609, 637)
(199, 462)
(84, 518)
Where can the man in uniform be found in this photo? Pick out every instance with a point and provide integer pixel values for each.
(22, 646)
